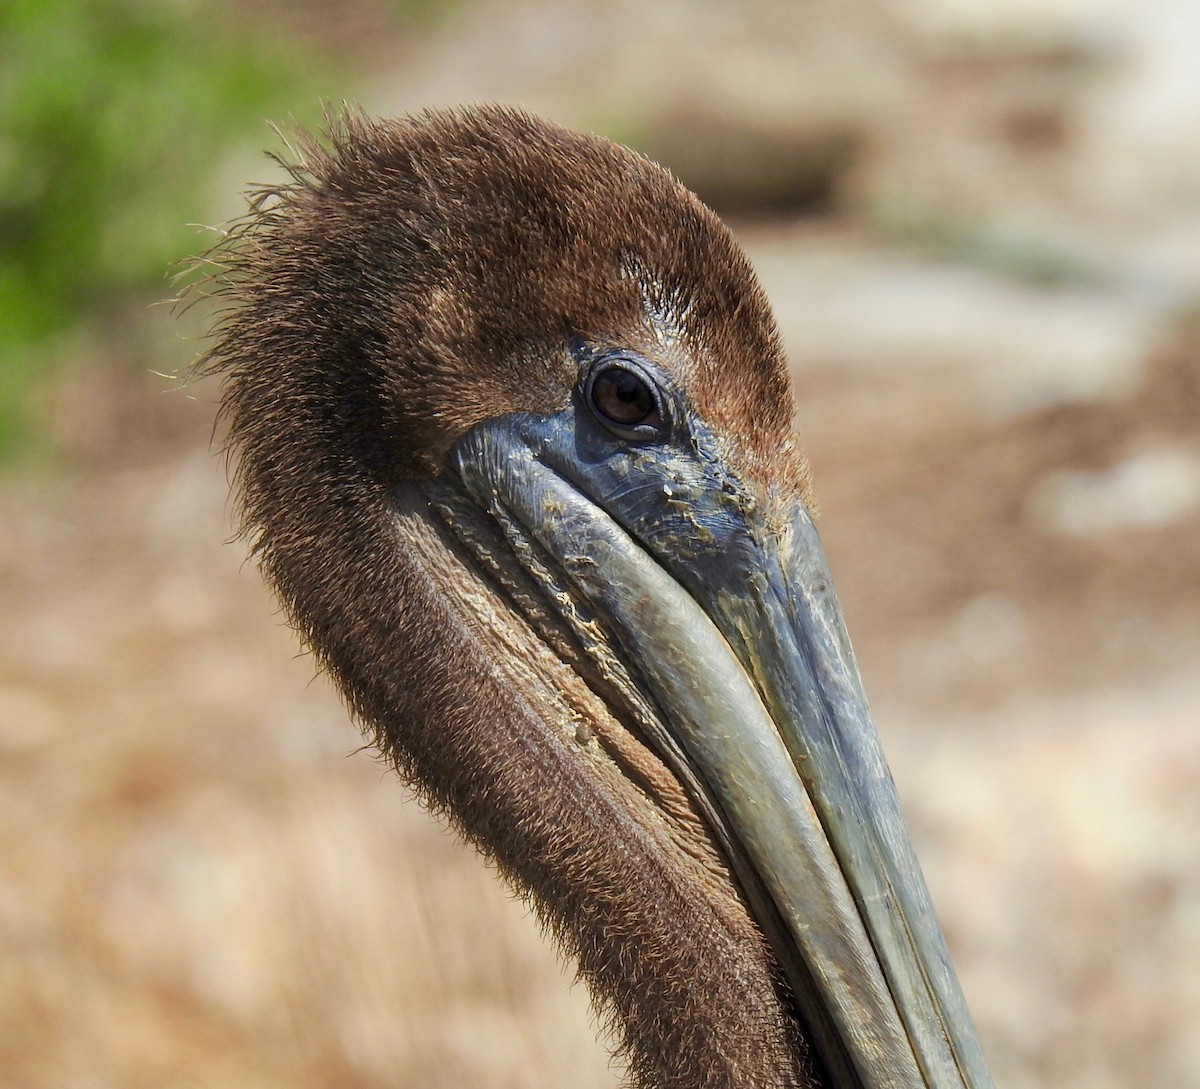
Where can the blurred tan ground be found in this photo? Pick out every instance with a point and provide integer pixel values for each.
(202, 884)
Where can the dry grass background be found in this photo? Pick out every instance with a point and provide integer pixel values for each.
(203, 884)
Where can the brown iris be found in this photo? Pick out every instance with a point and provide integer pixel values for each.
(625, 398)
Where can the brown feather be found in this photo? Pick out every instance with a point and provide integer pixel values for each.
(415, 278)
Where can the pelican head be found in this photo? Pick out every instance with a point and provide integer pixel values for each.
(513, 436)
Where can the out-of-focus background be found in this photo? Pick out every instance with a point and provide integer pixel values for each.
(980, 227)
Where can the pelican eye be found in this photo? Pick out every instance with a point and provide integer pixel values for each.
(625, 400)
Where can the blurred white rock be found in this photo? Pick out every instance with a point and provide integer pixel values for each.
(1152, 488)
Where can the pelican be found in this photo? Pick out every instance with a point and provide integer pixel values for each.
(512, 434)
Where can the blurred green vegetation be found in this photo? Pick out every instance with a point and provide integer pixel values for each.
(114, 115)
(1014, 250)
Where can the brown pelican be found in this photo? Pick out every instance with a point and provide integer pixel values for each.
(512, 433)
